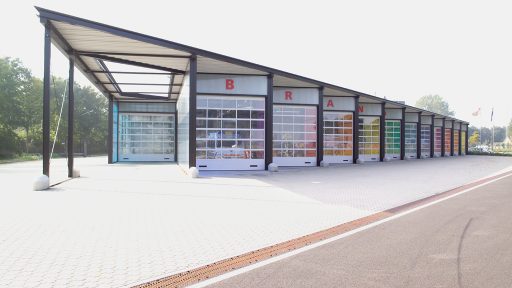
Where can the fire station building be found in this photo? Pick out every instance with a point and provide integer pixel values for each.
(172, 102)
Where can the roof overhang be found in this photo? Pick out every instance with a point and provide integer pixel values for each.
(128, 65)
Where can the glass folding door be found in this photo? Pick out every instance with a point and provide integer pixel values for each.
(338, 139)
(425, 141)
(146, 137)
(456, 142)
(447, 141)
(463, 143)
(393, 139)
(369, 138)
(411, 140)
(295, 135)
(230, 133)
(437, 141)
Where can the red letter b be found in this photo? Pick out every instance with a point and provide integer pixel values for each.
(230, 84)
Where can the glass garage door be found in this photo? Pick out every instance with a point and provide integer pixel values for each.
(463, 142)
(369, 138)
(230, 133)
(437, 141)
(393, 139)
(338, 137)
(146, 137)
(425, 141)
(456, 142)
(411, 140)
(294, 142)
(447, 141)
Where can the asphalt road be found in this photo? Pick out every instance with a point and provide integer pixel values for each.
(465, 241)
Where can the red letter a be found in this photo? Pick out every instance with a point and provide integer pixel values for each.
(330, 103)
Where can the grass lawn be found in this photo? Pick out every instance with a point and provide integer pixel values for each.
(20, 158)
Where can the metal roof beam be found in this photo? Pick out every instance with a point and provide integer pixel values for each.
(141, 84)
(129, 72)
(133, 54)
(143, 92)
(142, 96)
(133, 63)
(109, 75)
(171, 83)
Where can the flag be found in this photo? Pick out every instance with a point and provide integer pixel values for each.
(477, 112)
(492, 113)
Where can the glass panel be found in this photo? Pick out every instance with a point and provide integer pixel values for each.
(447, 141)
(232, 133)
(456, 142)
(369, 136)
(301, 136)
(463, 142)
(392, 138)
(155, 134)
(437, 140)
(337, 141)
(425, 140)
(411, 139)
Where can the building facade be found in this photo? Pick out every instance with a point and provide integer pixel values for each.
(176, 103)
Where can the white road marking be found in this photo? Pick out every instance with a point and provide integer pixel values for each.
(335, 238)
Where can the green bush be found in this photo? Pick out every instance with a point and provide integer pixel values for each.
(10, 144)
(490, 153)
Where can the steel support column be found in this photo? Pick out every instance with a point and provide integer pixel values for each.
(320, 127)
(418, 137)
(460, 139)
(192, 112)
(432, 137)
(269, 112)
(46, 98)
(355, 131)
(442, 138)
(382, 132)
(71, 116)
(467, 138)
(110, 128)
(402, 135)
(451, 137)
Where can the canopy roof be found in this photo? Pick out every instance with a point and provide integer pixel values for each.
(131, 65)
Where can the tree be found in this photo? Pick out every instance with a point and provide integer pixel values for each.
(509, 130)
(472, 129)
(474, 139)
(485, 135)
(31, 113)
(21, 112)
(435, 103)
(15, 85)
(90, 123)
(499, 134)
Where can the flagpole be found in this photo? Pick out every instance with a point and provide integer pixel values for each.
(492, 138)
(480, 137)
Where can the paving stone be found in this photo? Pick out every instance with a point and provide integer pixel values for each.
(123, 224)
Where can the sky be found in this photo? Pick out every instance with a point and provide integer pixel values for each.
(401, 50)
